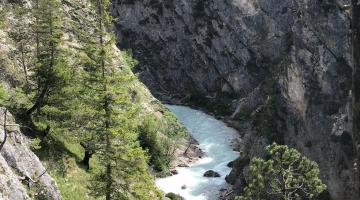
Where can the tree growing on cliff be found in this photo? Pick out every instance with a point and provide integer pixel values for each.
(44, 66)
(104, 115)
(20, 34)
(50, 62)
(285, 176)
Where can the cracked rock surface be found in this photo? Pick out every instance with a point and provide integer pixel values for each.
(18, 161)
(291, 54)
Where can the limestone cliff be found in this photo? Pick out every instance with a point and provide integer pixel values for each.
(280, 70)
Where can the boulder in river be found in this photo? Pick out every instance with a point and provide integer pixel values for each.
(231, 164)
(183, 187)
(174, 196)
(174, 172)
(211, 173)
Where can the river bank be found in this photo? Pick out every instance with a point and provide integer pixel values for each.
(215, 139)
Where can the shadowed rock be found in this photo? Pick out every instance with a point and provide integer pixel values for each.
(211, 173)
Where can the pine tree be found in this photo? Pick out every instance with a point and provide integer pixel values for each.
(50, 62)
(105, 113)
(285, 176)
(20, 34)
(47, 72)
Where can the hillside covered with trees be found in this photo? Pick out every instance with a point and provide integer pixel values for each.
(73, 94)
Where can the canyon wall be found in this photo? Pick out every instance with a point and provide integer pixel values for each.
(278, 70)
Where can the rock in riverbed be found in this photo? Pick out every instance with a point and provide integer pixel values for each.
(211, 173)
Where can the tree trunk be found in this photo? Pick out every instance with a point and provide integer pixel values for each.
(5, 131)
(39, 101)
(187, 148)
(89, 152)
(23, 62)
(37, 32)
(109, 180)
(356, 85)
(86, 160)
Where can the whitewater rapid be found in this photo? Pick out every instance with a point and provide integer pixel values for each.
(215, 139)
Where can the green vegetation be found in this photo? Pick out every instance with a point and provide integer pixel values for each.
(127, 59)
(63, 155)
(74, 94)
(286, 175)
(3, 95)
(2, 17)
(173, 196)
(160, 138)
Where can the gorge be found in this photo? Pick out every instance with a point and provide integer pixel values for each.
(97, 97)
(278, 70)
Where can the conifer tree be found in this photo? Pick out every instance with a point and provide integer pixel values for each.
(50, 62)
(47, 71)
(105, 112)
(20, 34)
(285, 176)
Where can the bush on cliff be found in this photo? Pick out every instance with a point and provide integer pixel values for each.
(286, 175)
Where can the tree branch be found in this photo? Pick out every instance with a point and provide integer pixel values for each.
(5, 131)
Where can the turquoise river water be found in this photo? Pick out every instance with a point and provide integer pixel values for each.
(215, 139)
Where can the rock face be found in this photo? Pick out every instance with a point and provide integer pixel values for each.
(211, 173)
(17, 161)
(283, 67)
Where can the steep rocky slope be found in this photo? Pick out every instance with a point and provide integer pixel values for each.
(280, 70)
(22, 175)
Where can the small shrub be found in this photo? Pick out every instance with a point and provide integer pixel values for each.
(159, 137)
(173, 196)
(35, 144)
(3, 95)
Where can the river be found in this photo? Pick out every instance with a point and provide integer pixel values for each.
(215, 139)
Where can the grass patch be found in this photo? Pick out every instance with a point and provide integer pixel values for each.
(63, 157)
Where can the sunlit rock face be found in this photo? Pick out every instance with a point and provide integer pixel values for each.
(17, 162)
(297, 48)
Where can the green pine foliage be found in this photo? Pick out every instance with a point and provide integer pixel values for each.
(3, 95)
(38, 52)
(82, 102)
(50, 70)
(285, 176)
(19, 34)
(105, 116)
